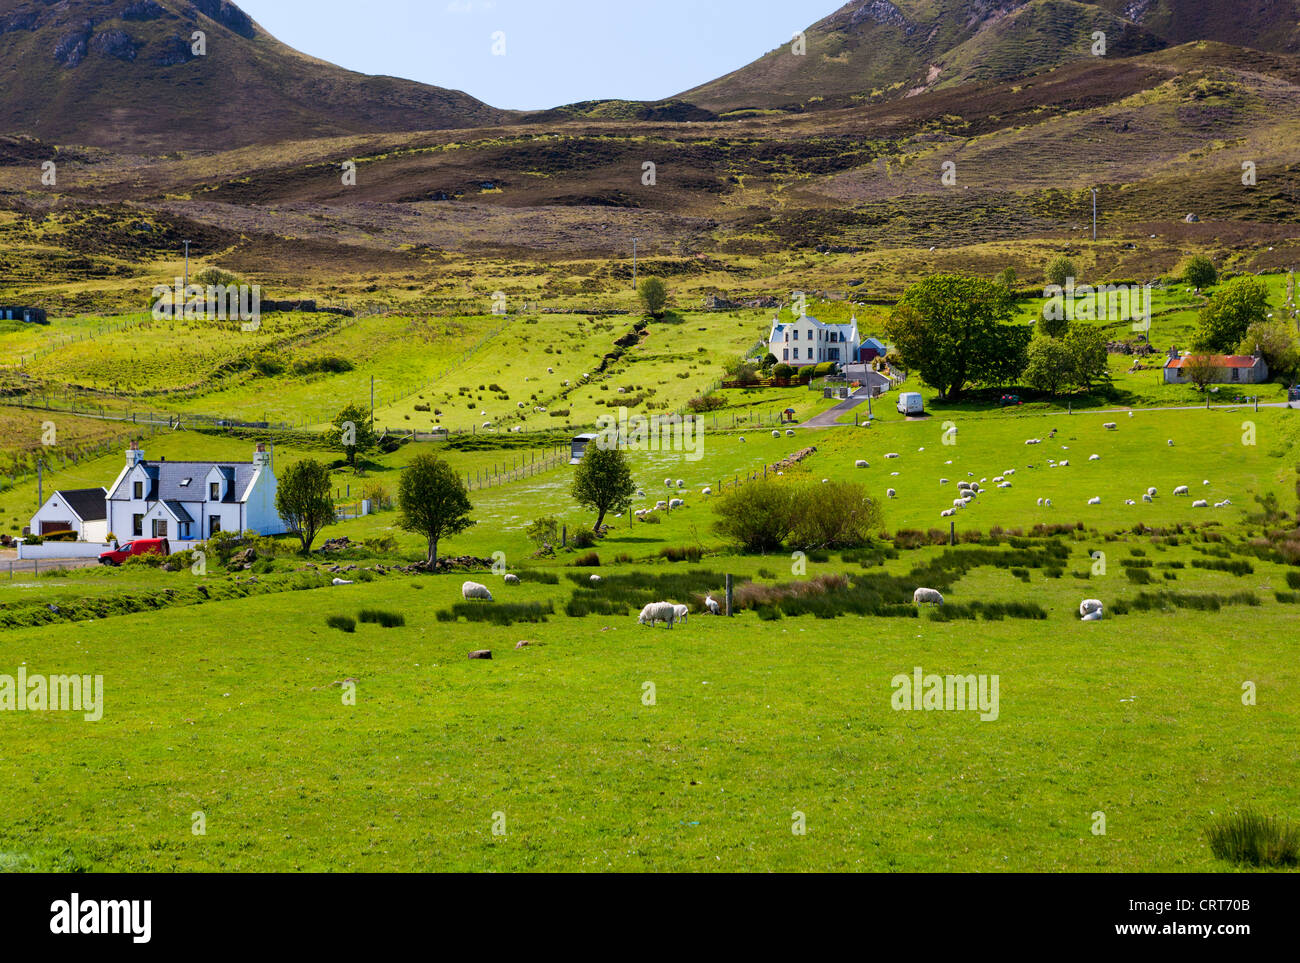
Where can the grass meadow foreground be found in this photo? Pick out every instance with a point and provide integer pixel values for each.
(243, 730)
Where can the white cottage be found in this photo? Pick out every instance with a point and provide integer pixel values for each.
(193, 500)
(808, 341)
(80, 510)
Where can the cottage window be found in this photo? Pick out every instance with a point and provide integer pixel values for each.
(139, 490)
(160, 528)
(796, 354)
(214, 524)
(137, 525)
(785, 355)
(214, 491)
(796, 334)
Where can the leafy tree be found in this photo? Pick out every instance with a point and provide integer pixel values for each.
(1008, 280)
(603, 482)
(1201, 370)
(1089, 360)
(769, 360)
(1277, 343)
(951, 331)
(654, 296)
(784, 370)
(433, 501)
(1060, 269)
(758, 515)
(1199, 272)
(1051, 365)
(1230, 312)
(303, 499)
(746, 372)
(833, 515)
(1052, 326)
(351, 432)
(544, 532)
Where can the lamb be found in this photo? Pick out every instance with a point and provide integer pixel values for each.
(511, 579)
(1129, 501)
(892, 454)
(474, 591)
(712, 605)
(1147, 498)
(1091, 610)
(1005, 484)
(959, 503)
(675, 503)
(789, 432)
(1095, 500)
(1200, 503)
(1182, 490)
(680, 612)
(661, 506)
(1040, 503)
(943, 481)
(927, 596)
(1151, 492)
(1094, 458)
(776, 433)
(1110, 426)
(860, 463)
(891, 493)
(594, 580)
(706, 492)
(948, 513)
(1064, 464)
(658, 612)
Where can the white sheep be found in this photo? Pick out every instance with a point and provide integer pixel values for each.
(1033, 441)
(658, 612)
(1129, 501)
(675, 503)
(1094, 458)
(963, 485)
(342, 581)
(661, 506)
(1110, 426)
(1151, 492)
(680, 483)
(776, 433)
(1094, 500)
(947, 513)
(1005, 484)
(927, 596)
(1091, 610)
(789, 432)
(891, 493)
(892, 454)
(550, 371)
(1206, 482)
(742, 438)
(1047, 503)
(474, 591)
(943, 481)
(999, 479)
(825, 481)
(1171, 443)
(511, 579)
(706, 492)
(1200, 503)
(860, 463)
(680, 612)
(712, 605)
(1147, 498)
(959, 503)
(1040, 503)
(594, 580)
(1220, 504)
(1064, 464)
(668, 483)
(1182, 490)
(1009, 472)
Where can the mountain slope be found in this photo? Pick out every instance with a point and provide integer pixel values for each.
(122, 74)
(878, 48)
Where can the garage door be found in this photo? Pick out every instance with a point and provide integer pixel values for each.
(49, 528)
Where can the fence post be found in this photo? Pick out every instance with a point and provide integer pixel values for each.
(564, 536)
(729, 588)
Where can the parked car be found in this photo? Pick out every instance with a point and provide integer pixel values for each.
(1293, 394)
(140, 546)
(911, 403)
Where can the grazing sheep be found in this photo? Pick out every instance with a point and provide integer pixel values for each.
(474, 591)
(966, 501)
(891, 493)
(519, 404)
(1227, 501)
(959, 503)
(594, 580)
(1110, 426)
(1147, 498)
(1033, 441)
(1040, 503)
(947, 513)
(706, 492)
(943, 481)
(680, 483)
(1200, 503)
(776, 433)
(1129, 501)
(675, 503)
(999, 479)
(860, 463)
(1005, 484)
(658, 612)
(789, 432)
(712, 605)
(1094, 500)
(1206, 482)
(1182, 490)
(1171, 443)
(1091, 610)
(892, 454)
(742, 438)
(963, 485)
(1094, 458)
(668, 483)
(1009, 472)
(825, 481)
(511, 579)
(1151, 492)
(342, 581)
(661, 506)
(550, 371)
(927, 596)
(1047, 503)
(681, 612)
(1220, 504)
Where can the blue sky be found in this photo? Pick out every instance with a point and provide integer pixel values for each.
(556, 51)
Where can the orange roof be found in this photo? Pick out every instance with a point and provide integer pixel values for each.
(1220, 361)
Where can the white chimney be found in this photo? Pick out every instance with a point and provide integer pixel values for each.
(134, 455)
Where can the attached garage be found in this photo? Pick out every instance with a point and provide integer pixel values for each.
(82, 510)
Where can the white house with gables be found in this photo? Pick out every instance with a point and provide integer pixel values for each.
(189, 501)
(808, 341)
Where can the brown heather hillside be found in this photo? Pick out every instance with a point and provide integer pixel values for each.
(121, 74)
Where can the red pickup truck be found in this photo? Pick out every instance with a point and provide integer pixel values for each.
(141, 546)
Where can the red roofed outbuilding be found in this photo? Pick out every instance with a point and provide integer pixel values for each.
(1234, 369)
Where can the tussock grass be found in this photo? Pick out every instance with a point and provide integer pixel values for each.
(389, 620)
(1250, 839)
(344, 623)
(498, 613)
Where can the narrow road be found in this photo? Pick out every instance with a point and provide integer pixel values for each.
(828, 418)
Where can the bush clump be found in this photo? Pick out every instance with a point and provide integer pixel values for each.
(1249, 839)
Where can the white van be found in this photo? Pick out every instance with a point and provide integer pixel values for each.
(910, 403)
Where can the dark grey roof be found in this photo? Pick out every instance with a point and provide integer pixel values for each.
(179, 511)
(168, 475)
(88, 503)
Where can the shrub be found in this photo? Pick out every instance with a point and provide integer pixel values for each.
(838, 514)
(344, 623)
(389, 620)
(590, 560)
(583, 538)
(758, 515)
(1249, 839)
(689, 553)
(544, 531)
(1293, 580)
(706, 403)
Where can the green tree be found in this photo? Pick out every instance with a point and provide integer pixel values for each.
(351, 432)
(758, 515)
(303, 499)
(1060, 269)
(1230, 312)
(833, 515)
(1089, 359)
(433, 502)
(952, 331)
(1277, 343)
(603, 482)
(654, 296)
(1050, 366)
(1199, 272)
(1201, 370)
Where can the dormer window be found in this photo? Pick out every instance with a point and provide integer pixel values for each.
(138, 490)
(214, 491)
